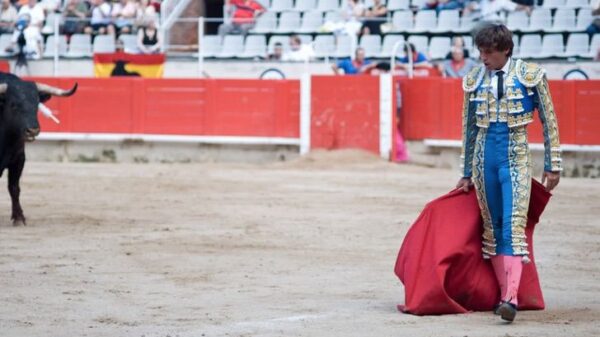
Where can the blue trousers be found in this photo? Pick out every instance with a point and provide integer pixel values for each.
(502, 178)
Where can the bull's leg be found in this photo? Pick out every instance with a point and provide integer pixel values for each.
(14, 175)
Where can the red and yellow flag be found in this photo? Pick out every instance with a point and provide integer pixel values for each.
(122, 64)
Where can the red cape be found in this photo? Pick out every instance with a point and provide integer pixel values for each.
(441, 265)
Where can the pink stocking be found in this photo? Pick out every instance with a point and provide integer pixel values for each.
(498, 264)
(513, 267)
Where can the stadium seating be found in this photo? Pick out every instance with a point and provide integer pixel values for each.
(552, 46)
(388, 44)
(104, 44)
(233, 45)
(448, 21)
(577, 45)
(439, 47)
(425, 21)
(540, 20)
(311, 22)
(324, 46)
(5, 42)
(402, 21)
(288, 22)
(254, 46)
(50, 46)
(530, 46)
(80, 46)
(305, 5)
(371, 44)
(420, 42)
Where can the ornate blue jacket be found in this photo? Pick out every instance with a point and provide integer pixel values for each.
(526, 89)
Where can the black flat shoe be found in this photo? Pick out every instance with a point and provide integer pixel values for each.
(507, 311)
(496, 307)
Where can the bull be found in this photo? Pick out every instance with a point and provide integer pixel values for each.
(19, 103)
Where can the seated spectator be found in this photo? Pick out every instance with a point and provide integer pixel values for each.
(360, 64)
(243, 18)
(35, 12)
(298, 52)
(374, 17)
(124, 14)
(277, 52)
(418, 58)
(440, 5)
(101, 21)
(8, 17)
(458, 66)
(145, 12)
(594, 27)
(458, 42)
(75, 14)
(490, 10)
(149, 40)
(27, 38)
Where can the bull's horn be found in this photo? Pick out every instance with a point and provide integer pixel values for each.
(3, 87)
(47, 89)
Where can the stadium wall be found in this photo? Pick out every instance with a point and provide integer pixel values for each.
(342, 112)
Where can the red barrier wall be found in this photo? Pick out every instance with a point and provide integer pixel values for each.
(345, 112)
(432, 108)
(178, 106)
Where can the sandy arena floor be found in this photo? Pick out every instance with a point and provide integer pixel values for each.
(305, 248)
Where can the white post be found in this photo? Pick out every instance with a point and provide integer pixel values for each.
(408, 56)
(305, 113)
(385, 115)
(201, 46)
(56, 45)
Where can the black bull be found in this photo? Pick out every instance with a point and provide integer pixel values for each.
(19, 102)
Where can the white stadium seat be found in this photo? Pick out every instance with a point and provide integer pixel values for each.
(448, 21)
(371, 44)
(421, 43)
(394, 5)
(80, 46)
(517, 21)
(402, 21)
(104, 44)
(305, 5)
(211, 45)
(530, 46)
(265, 23)
(311, 22)
(425, 21)
(552, 46)
(288, 22)
(254, 46)
(233, 46)
(439, 47)
(564, 20)
(540, 20)
(324, 46)
(50, 47)
(388, 44)
(281, 5)
(343, 47)
(577, 45)
(328, 5)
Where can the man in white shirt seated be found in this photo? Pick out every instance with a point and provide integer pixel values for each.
(298, 52)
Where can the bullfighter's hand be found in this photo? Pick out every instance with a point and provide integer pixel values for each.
(551, 179)
(464, 184)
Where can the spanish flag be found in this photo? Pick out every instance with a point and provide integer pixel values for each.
(122, 64)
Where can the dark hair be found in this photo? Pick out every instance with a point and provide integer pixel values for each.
(495, 37)
(412, 47)
(278, 44)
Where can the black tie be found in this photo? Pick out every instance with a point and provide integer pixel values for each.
(500, 75)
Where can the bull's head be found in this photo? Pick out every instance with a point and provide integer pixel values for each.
(22, 100)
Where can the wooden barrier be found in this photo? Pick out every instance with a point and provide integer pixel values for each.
(345, 110)
(253, 108)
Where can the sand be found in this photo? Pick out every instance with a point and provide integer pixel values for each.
(304, 248)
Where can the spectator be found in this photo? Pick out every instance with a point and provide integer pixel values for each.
(458, 66)
(440, 5)
(490, 10)
(145, 12)
(277, 52)
(35, 12)
(124, 14)
(243, 18)
(75, 13)
(418, 58)
(101, 21)
(359, 65)
(375, 17)
(594, 27)
(8, 17)
(149, 40)
(298, 52)
(28, 37)
(458, 42)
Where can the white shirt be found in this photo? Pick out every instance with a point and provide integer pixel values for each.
(305, 53)
(36, 14)
(490, 9)
(494, 78)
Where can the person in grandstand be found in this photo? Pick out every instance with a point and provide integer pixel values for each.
(243, 18)
(298, 51)
(458, 65)
(360, 64)
(499, 99)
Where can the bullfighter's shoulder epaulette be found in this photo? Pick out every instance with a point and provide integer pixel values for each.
(473, 78)
(529, 74)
